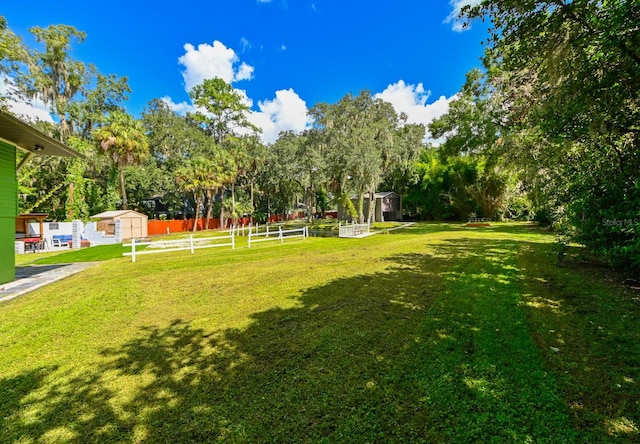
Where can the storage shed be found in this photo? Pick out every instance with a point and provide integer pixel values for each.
(16, 135)
(388, 207)
(133, 225)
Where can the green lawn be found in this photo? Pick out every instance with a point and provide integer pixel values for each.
(435, 333)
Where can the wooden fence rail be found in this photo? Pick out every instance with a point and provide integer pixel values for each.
(190, 243)
(277, 235)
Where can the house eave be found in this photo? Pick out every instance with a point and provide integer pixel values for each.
(22, 135)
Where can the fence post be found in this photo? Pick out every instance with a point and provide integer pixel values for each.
(233, 242)
(249, 241)
(281, 236)
(191, 243)
(133, 250)
(306, 231)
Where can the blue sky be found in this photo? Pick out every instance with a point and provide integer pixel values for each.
(284, 56)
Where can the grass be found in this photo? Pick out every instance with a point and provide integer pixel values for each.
(435, 333)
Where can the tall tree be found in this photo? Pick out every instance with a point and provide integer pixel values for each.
(312, 169)
(568, 73)
(222, 110)
(79, 97)
(360, 133)
(173, 139)
(53, 75)
(222, 113)
(12, 49)
(103, 96)
(197, 176)
(223, 171)
(123, 139)
(280, 172)
(256, 152)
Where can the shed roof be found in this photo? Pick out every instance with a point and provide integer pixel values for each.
(116, 213)
(16, 132)
(386, 194)
(379, 195)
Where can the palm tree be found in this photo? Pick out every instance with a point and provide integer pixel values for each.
(124, 140)
(218, 166)
(198, 176)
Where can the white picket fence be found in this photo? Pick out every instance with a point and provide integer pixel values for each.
(277, 235)
(191, 243)
(354, 230)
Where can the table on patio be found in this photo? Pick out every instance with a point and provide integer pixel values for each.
(32, 243)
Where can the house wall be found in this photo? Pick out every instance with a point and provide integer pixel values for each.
(8, 211)
(50, 229)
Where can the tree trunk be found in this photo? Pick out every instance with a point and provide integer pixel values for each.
(70, 202)
(252, 205)
(222, 221)
(123, 191)
(310, 204)
(209, 198)
(372, 205)
(234, 216)
(361, 207)
(195, 219)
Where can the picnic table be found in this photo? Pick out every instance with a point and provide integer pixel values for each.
(32, 243)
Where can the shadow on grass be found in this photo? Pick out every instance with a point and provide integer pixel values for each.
(495, 227)
(585, 320)
(436, 349)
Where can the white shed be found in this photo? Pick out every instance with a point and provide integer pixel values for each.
(134, 224)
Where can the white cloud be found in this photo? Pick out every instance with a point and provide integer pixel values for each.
(186, 107)
(245, 43)
(287, 112)
(245, 72)
(412, 100)
(244, 98)
(32, 110)
(181, 108)
(453, 17)
(207, 61)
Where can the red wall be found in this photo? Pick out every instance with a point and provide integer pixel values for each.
(177, 226)
(156, 227)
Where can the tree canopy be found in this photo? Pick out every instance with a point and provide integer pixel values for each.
(566, 76)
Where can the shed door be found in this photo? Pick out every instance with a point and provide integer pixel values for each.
(136, 227)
